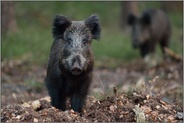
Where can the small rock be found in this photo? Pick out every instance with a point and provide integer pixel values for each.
(36, 104)
(157, 106)
(35, 120)
(179, 115)
(18, 117)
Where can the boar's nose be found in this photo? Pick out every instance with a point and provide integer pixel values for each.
(76, 69)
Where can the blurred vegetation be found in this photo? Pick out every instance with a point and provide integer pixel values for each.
(34, 20)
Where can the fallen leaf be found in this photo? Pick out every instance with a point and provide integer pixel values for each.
(146, 109)
(163, 102)
(111, 108)
(25, 105)
(170, 118)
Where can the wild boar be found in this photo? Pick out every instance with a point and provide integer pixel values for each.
(71, 61)
(148, 29)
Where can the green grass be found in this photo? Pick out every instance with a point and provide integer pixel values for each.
(37, 44)
(113, 48)
(176, 42)
(34, 37)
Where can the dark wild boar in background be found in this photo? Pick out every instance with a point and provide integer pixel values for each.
(148, 29)
(70, 65)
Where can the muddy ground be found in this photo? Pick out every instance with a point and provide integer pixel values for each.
(117, 94)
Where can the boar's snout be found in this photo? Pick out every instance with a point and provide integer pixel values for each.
(76, 68)
(77, 64)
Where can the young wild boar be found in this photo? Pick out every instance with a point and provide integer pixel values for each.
(148, 29)
(70, 65)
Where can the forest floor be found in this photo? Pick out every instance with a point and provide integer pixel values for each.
(131, 92)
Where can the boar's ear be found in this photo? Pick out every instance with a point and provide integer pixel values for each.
(93, 23)
(146, 19)
(59, 25)
(131, 19)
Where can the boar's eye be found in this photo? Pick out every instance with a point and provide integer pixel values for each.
(85, 42)
(68, 41)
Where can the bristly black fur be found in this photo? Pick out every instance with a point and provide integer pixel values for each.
(59, 25)
(60, 81)
(93, 23)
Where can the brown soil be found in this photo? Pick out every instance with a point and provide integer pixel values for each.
(135, 93)
(119, 108)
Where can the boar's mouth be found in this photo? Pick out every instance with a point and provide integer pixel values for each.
(76, 71)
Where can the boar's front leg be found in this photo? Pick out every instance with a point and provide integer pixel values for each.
(58, 98)
(79, 96)
(77, 102)
(147, 47)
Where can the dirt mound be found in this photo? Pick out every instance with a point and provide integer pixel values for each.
(160, 84)
(118, 108)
